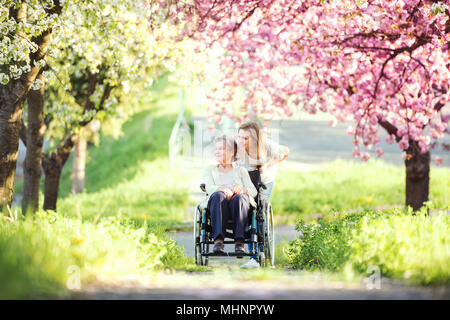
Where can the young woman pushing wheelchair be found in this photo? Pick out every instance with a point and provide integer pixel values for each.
(232, 187)
(260, 156)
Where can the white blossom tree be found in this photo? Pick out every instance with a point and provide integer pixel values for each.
(99, 49)
(97, 59)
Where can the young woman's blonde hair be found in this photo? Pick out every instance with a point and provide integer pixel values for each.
(256, 133)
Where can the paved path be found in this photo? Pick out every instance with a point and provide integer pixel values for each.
(314, 142)
(226, 281)
(317, 142)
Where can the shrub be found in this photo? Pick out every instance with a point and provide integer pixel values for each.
(402, 245)
(322, 245)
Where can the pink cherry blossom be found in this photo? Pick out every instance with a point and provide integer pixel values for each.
(383, 63)
(390, 139)
(438, 160)
(365, 156)
(403, 144)
(379, 152)
(350, 131)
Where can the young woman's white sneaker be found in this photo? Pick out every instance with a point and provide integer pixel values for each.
(251, 264)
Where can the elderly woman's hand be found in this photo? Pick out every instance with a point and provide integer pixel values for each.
(228, 193)
(237, 190)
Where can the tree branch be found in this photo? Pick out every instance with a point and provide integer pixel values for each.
(390, 128)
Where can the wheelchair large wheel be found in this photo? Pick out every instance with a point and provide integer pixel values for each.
(269, 236)
(266, 256)
(199, 259)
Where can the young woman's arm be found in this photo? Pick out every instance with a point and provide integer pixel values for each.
(276, 152)
(283, 156)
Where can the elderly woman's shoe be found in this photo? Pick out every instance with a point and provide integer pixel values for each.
(240, 248)
(218, 247)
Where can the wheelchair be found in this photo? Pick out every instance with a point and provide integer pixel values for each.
(259, 233)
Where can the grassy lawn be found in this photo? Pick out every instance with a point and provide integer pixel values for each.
(131, 176)
(347, 185)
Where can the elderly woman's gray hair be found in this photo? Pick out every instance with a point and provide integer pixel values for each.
(230, 143)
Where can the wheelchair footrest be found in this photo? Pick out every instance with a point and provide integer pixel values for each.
(229, 242)
(227, 254)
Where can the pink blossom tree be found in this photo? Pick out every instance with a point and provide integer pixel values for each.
(381, 63)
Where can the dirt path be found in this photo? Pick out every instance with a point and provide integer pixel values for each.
(186, 239)
(256, 292)
(230, 283)
(226, 281)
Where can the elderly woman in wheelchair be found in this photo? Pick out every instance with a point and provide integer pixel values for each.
(232, 195)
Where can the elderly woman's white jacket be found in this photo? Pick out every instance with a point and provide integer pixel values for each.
(241, 178)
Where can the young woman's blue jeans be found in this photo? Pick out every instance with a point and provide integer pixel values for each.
(265, 195)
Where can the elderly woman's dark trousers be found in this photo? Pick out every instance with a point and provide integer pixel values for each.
(221, 209)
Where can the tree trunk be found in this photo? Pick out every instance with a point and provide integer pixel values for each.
(10, 115)
(12, 97)
(417, 170)
(52, 170)
(417, 176)
(53, 165)
(79, 165)
(34, 141)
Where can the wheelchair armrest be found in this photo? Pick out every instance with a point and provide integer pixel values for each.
(261, 185)
(203, 187)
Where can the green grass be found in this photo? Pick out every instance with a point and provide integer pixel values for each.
(154, 196)
(131, 175)
(347, 185)
(281, 257)
(403, 246)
